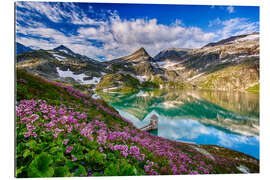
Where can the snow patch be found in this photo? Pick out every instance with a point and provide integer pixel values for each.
(94, 80)
(77, 77)
(194, 77)
(141, 78)
(250, 37)
(58, 57)
(63, 50)
(167, 64)
(247, 38)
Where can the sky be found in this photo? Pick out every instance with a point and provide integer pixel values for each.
(104, 31)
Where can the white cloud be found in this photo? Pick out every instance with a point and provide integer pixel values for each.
(118, 37)
(233, 27)
(51, 11)
(230, 9)
(121, 37)
(237, 26)
(35, 43)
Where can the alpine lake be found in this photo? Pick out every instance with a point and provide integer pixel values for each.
(227, 119)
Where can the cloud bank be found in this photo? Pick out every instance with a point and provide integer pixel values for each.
(104, 35)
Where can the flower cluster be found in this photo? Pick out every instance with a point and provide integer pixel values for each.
(62, 121)
(148, 168)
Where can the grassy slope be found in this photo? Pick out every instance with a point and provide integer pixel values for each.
(236, 77)
(122, 83)
(128, 152)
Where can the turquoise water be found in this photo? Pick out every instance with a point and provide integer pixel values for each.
(204, 117)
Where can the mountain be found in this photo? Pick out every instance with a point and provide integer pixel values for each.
(230, 64)
(64, 49)
(137, 56)
(62, 64)
(68, 51)
(230, 40)
(138, 64)
(170, 53)
(130, 73)
(20, 48)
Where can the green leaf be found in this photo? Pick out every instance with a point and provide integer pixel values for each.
(19, 148)
(80, 171)
(61, 172)
(19, 171)
(111, 157)
(111, 170)
(70, 164)
(27, 152)
(95, 159)
(59, 156)
(53, 150)
(40, 166)
(32, 144)
(120, 168)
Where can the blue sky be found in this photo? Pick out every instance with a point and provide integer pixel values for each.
(107, 31)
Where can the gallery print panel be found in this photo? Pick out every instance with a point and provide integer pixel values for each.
(108, 89)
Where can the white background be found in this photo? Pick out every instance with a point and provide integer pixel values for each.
(7, 88)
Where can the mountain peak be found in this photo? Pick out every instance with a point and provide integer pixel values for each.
(139, 55)
(141, 51)
(64, 49)
(61, 47)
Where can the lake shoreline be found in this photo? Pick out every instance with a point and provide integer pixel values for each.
(213, 120)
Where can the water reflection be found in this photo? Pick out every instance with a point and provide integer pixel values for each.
(205, 117)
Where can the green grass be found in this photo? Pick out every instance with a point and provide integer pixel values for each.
(125, 83)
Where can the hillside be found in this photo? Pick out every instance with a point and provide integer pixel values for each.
(217, 65)
(63, 132)
(230, 64)
(62, 64)
(118, 83)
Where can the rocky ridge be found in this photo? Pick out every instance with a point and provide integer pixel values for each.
(229, 64)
